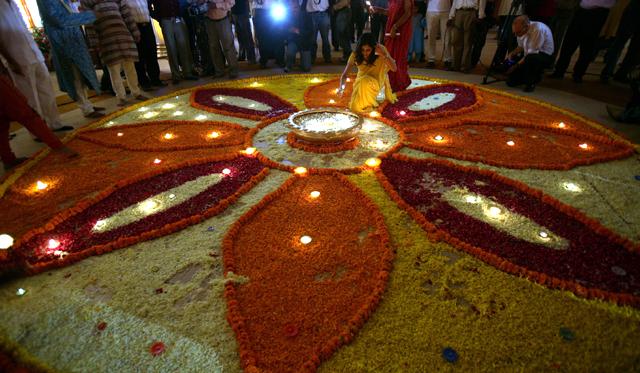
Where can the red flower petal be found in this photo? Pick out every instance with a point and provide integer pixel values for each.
(101, 325)
(157, 348)
(78, 240)
(204, 99)
(466, 99)
(290, 330)
(609, 268)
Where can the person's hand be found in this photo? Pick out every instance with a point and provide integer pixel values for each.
(341, 87)
(450, 22)
(393, 30)
(381, 50)
(295, 30)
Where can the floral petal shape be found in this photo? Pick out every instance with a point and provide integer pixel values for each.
(168, 135)
(250, 103)
(519, 145)
(316, 265)
(138, 210)
(433, 101)
(591, 262)
(326, 94)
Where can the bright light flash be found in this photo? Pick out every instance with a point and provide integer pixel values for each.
(278, 12)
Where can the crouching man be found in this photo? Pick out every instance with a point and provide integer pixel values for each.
(535, 45)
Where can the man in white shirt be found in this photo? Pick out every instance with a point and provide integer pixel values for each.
(437, 15)
(462, 17)
(27, 68)
(535, 41)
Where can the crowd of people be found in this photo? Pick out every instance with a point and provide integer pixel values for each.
(201, 36)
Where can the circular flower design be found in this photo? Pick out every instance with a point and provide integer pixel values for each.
(318, 250)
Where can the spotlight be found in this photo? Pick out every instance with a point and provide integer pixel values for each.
(278, 12)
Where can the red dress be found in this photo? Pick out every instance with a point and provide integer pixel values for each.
(398, 46)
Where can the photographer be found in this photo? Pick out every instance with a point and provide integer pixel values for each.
(536, 43)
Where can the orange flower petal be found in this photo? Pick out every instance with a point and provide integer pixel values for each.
(518, 145)
(316, 268)
(168, 135)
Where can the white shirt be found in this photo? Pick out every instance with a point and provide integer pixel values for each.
(462, 4)
(16, 40)
(537, 39)
(317, 5)
(439, 6)
(139, 10)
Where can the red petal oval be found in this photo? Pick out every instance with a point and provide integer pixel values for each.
(467, 98)
(168, 135)
(204, 99)
(73, 238)
(519, 145)
(304, 298)
(596, 262)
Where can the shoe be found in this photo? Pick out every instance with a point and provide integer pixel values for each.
(431, 64)
(158, 83)
(556, 75)
(218, 75)
(175, 81)
(16, 162)
(253, 62)
(64, 128)
(577, 79)
(529, 88)
(191, 77)
(123, 102)
(604, 79)
(233, 74)
(286, 69)
(447, 64)
(614, 113)
(465, 70)
(99, 108)
(620, 78)
(146, 87)
(327, 60)
(141, 98)
(94, 114)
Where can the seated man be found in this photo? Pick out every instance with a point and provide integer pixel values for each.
(536, 43)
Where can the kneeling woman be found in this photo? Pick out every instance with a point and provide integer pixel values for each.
(373, 62)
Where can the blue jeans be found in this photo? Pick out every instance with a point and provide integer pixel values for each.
(320, 21)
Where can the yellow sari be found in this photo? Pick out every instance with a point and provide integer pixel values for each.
(369, 81)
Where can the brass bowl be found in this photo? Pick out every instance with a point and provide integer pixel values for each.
(325, 125)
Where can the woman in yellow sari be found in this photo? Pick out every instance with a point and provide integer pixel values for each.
(373, 62)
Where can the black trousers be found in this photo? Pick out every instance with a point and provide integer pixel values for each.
(530, 72)
(270, 37)
(583, 32)
(147, 66)
(378, 24)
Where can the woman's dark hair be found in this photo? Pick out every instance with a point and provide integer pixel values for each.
(366, 39)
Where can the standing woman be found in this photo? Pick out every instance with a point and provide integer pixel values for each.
(373, 62)
(117, 34)
(397, 37)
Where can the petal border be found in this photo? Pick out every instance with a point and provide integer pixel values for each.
(554, 283)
